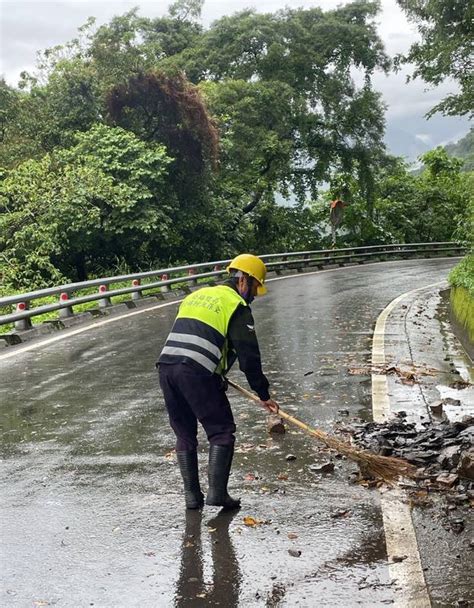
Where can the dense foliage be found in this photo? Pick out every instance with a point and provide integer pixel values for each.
(463, 275)
(445, 49)
(145, 142)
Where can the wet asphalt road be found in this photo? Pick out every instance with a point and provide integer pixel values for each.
(92, 511)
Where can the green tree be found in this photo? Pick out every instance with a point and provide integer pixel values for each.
(435, 205)
(76, 210)
(431, 206)
(308, 55)
(445, 50)
(251, 108)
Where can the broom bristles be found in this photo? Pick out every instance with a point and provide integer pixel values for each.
(388, 468)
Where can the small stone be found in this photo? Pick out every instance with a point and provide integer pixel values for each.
(398, 558)
(457, 525)
(275, 425)
(326, 467)
(450, 456)
(343, 412)
(290, 457)
(447, 479)
(294, 552)
(466, 465)
(451, 401)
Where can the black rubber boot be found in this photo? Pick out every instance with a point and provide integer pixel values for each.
(188, 464)
(220, 461)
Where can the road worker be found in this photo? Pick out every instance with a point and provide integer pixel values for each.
(214, 327)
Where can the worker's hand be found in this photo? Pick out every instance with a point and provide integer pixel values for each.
(272, 406)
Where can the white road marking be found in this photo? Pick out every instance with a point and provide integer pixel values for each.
(410, 588)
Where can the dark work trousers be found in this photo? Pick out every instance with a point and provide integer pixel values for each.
(191, 396)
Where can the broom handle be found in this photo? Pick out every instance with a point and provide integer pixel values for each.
(375, 464)
(281, 413)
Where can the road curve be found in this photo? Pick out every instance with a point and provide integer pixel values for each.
(91, 505)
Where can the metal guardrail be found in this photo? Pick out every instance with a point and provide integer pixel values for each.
(276, 262)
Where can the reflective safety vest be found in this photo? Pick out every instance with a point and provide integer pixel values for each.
(199, 332)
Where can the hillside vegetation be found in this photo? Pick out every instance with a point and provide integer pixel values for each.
(149, 142)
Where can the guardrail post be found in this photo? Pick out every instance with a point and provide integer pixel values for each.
(279, 269)
(23, 324)
(104, 302)
(165, 288)
(66, 312)
(192, 272)
(136, 295)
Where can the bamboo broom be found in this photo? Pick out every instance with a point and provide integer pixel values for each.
(387, 468)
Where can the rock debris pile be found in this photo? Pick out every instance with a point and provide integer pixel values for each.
(443, 452)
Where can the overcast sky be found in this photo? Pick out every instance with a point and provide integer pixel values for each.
(29, 26)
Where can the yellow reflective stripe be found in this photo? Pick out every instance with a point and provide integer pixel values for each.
(193, 339)
(191, 354)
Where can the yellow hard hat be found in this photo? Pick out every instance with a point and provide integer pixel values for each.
(253, 266)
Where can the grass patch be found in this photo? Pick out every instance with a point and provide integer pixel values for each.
(462, 275)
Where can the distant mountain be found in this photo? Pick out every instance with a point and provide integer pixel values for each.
(403, 143)
(464, 149)
(410, 136)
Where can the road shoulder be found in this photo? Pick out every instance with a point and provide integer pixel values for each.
(413, 333)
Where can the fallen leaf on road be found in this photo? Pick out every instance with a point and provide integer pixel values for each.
(292, 535)
(252, 521)
(283, 476)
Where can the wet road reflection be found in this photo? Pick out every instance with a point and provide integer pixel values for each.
(223, 589)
